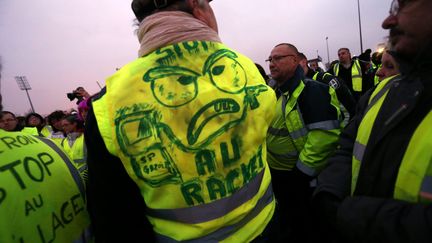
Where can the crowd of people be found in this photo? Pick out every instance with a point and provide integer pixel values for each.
(194, 142)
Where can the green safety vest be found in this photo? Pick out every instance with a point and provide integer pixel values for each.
(188, 122)
(288, 134)
(356, 75)
(414, 180)
(78, 153)
(41, 193)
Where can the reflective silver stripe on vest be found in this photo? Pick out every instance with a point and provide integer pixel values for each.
(210, 211)
(299, 133)
(324, 125)
(79, 161)
(427, 185)
(227, 231)
(305, 169)
(82, 168)
(281, 157)
(359, 150)
(74, 172)
(283, 132)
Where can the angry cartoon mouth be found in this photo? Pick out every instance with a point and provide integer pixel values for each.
(212, 118)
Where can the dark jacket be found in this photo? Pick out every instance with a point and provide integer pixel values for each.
(346, 76)
(342, 91)
(107, 187)
(314, 102)
(371, 214)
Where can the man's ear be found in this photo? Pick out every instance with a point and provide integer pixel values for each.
(193, 3)
(196, 9)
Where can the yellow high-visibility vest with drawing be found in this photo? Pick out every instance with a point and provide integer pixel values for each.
(189, 123)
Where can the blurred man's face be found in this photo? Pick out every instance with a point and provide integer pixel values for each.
(283, 63)
(34, 121)
(57, 124)
(410, 26)
(8, 122)
(344, 56)
(68, 127)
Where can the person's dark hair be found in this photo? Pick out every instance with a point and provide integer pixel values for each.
(302, 56)
(74, 119)
(8, 112)
(344, 49)
(291, 46)
(376, 58)
(144, 8)
(365, 56)
(262, 72)
(21, 122)
(56, 115)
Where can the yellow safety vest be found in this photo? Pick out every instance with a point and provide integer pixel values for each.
(46, 131)
(189, 122)
(78, 153)
(49, 133)
(356, 75)
(376, 78)
(288, 134)
(414, 180)
(30, 131)
(41, 193)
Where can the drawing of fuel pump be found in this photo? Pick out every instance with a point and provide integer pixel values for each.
(140, 139)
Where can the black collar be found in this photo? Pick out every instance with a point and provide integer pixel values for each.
(291, 84)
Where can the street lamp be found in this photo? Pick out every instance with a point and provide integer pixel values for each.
(360, 29)
(328, 53)
(24, 85)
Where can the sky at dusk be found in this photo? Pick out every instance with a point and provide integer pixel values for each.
(60, 45)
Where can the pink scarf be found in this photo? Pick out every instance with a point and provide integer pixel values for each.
(170, 27)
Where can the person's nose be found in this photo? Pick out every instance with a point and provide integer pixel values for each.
(271, 64)
(380, 73)
(389, 22)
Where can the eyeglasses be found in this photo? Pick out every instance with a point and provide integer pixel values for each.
(396, 6)
(278, 58)
(7, 120)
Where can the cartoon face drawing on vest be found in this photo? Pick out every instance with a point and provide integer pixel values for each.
(192, 107)
(210, 117)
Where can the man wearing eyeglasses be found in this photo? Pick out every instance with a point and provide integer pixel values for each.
(378, 186)
(300, 139)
